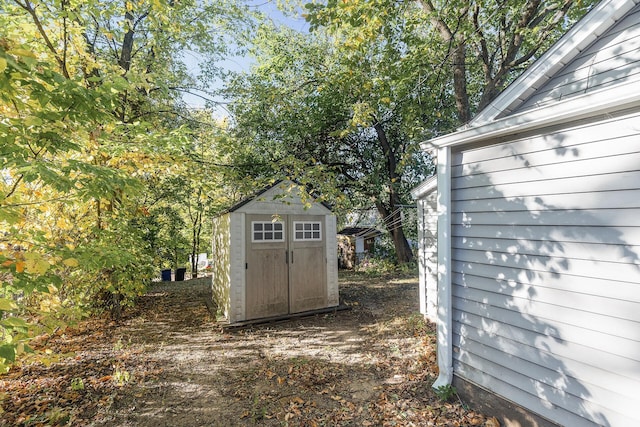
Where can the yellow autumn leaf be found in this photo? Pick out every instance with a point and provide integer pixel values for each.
(19, 266)
(3, 64)
(22, 52)
(35, 264)
(70, 262)
(7, 304)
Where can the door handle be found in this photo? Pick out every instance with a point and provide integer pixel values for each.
(291, 257)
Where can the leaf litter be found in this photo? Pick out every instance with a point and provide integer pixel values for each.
(169, 362)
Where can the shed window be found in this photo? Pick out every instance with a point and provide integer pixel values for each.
(307, 230)
(267, 231)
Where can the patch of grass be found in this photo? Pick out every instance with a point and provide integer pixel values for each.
(417, 325)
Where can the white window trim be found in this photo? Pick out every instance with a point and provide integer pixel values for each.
(253, 231)
(312, 239)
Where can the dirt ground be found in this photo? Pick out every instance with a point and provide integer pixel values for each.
(169, 363)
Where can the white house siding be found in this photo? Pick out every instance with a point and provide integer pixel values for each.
(612, 60)
(428, 254)
(546, 270)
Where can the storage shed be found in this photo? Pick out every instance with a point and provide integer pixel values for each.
(274, 255)
(537, 206)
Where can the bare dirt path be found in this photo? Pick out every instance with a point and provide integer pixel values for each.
(170, 364)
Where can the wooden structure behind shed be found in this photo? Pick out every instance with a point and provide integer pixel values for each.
(355, 243)
(274, 255)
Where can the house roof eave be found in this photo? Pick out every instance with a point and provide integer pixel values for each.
(580, 36)
(425, 187)
(591, 104)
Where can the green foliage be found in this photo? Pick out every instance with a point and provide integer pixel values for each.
(376, 266)
(121, 376)
(446, 392)
(334, 118)
(91, 119)
(77, 384)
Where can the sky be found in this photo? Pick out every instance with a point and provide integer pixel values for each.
(242, 63)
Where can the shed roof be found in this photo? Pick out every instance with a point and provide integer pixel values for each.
(257, 194)
(505, 115)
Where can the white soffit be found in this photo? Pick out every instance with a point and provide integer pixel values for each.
(588, 105)
(427, 186)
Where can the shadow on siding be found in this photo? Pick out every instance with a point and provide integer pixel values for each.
(531, 257)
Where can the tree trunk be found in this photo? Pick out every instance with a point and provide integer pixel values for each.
(460, 83)
(195, 242)
(458, 51)
(392, 215)
(393, 224)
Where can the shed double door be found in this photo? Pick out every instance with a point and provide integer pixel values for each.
(286, 268)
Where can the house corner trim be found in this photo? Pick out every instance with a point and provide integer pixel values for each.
(444, 319)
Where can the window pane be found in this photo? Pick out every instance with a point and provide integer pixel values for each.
(307, 230)
(267, 231)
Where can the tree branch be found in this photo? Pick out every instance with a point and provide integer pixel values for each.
(61, 61)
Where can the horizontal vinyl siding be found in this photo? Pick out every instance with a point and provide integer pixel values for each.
(613, 59)
(428, 255)
(333, 296)
(546, 271)
(521, 388)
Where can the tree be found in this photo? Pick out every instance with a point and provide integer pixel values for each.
(90, 110)
(476, 48)
(181, 201)
(313, 109)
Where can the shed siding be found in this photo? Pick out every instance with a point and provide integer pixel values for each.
(333, 298)
(614, 58)
(428, 254)
(546, 270)
(238, 260)
(221, 268)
